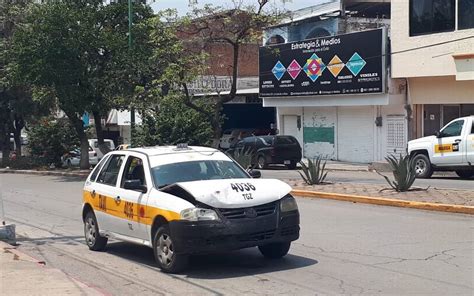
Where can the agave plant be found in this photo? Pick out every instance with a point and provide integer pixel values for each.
(243, 157)
(403, 173)
(313, 173)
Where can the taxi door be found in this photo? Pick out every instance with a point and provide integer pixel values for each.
(134, 201)
(449, 147)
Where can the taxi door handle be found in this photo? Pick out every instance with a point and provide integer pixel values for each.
(117, 199)
(458, 140)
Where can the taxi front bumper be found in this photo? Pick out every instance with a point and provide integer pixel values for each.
(215, 236)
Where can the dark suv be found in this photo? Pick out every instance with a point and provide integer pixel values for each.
(270, 150)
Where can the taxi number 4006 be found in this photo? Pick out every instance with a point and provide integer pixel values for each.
(243, 187)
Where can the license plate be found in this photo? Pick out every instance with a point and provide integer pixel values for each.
(287, 162)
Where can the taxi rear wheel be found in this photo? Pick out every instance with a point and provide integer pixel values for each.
(165, 256)
(94, 241)
(275, 250)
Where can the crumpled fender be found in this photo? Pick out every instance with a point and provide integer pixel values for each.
(236, 193)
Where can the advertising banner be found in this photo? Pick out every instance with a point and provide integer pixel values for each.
(346, 64)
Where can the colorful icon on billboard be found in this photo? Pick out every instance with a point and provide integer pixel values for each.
(355, 64)
(278, 70)
(314, 67)
(335, 66)
(294, 69)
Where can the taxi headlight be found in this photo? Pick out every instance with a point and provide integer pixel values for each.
(288, 204)
(199, 214)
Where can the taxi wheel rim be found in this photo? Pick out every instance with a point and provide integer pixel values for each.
(165, 249)
(90, 232)
(420, 166)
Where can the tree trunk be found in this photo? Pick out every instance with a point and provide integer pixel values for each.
(100, 134)
(5, 141)
(18, 125)
(78, 125)
(216, 125)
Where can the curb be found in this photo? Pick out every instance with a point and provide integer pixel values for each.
(387, 202)
(45, 173)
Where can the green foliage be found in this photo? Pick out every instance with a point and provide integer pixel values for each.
(172, 123)
(403, 173)
(243, 156)
(314, 173)
(49, 139)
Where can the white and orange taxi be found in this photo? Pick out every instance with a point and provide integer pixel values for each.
(182, 200)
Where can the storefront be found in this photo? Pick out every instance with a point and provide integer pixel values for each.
(334, 96)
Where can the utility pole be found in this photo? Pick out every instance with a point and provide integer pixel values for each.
(132, 109)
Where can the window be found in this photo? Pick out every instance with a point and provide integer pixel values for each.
(431, 16)
(111, 171)
(465, 14)
(134, 171)
(97, 168)
(452, 130)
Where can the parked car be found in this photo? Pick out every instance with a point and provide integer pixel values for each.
(181, 201)
(268, 150)
(94, 143)
(451, 149)
(73, 158)
(231, 136)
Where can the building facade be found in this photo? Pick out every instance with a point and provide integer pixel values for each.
(347, 124)
(433, 49)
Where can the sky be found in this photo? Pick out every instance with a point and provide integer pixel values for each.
(182, 5)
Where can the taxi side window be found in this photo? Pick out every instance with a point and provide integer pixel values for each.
(454, 129)
(110, 173)
(134, 170)
(97, 168)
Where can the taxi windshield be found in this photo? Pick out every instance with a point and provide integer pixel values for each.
(168, 174)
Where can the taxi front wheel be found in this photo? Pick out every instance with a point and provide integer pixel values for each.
(94, 241)
(163, 248)
(275, 250)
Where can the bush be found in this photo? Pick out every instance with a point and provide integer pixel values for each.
(313, 173)
(49, 139)
(403, 173)
(171, 124)
(27, 162)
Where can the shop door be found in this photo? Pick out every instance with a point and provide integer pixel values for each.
(450, 112)
(355, 134)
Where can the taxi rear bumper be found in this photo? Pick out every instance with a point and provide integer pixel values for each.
(216, 236)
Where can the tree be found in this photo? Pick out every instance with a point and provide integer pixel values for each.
(16, 104)
(243, 24)
(171, 122)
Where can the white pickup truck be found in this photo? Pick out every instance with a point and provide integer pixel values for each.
(451, 149)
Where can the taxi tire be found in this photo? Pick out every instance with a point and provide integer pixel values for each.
(275, 250)
(100, 242)
(178, 263)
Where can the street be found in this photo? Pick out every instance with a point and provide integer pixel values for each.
(438, 180)
(344, 248)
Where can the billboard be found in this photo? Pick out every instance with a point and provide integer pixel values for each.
(345, 64)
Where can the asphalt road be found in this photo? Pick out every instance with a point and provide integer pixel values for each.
(344, 248)
(446, 180)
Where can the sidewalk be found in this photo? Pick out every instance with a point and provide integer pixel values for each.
(21, 274)
(432, 195)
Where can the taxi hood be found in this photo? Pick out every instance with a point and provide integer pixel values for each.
(235, 193)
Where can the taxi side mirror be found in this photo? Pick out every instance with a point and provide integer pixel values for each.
(255, 174)
(136, 185)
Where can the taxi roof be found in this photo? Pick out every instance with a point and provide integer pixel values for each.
(163, 150)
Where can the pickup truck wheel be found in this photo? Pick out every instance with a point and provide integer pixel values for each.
(465, 174)
(163, 248)
(422, 166)
(275, 250)
(94, 241)
(262, 162)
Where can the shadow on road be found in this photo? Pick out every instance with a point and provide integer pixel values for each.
(65, 179)
(216, 266)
